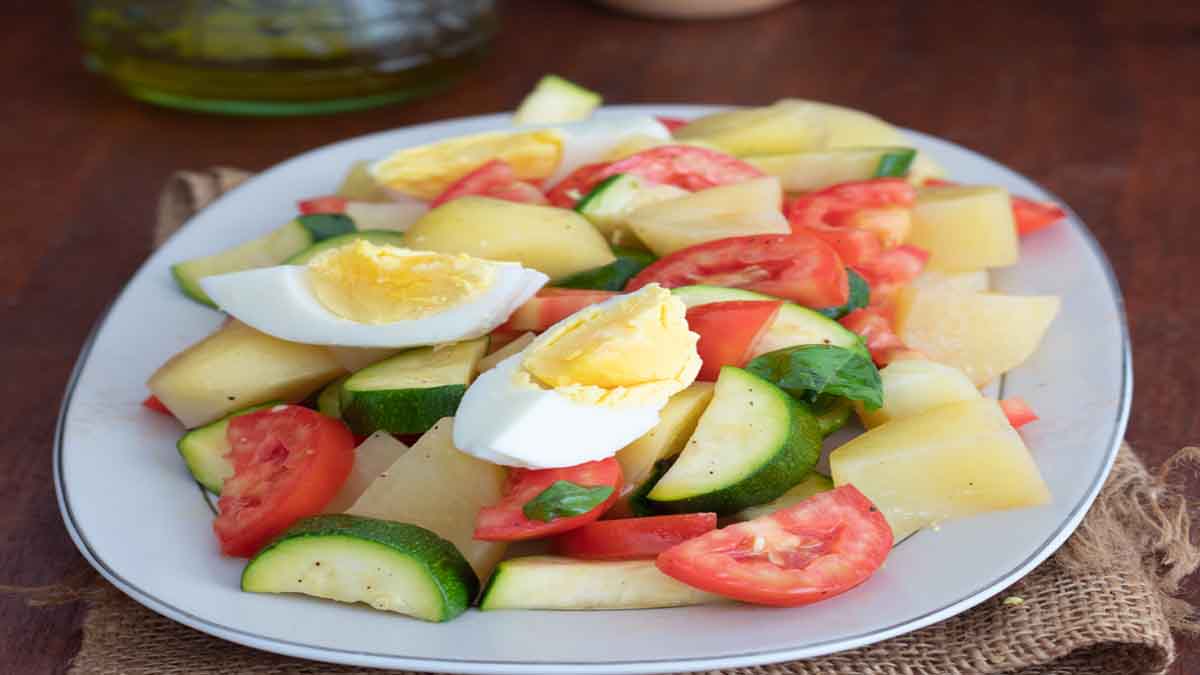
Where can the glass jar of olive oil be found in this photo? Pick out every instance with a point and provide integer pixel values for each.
(283, 57)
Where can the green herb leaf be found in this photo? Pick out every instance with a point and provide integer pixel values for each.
(613, 276)
(809, 371)
(564, 499)
(860, 296)
(895, 164)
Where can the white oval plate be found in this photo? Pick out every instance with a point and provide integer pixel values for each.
(134, 513)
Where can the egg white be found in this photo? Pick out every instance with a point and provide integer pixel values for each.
(520, 424)
(279, 302)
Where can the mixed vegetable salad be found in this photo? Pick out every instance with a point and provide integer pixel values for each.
(626, 340)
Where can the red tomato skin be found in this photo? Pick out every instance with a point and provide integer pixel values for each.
(672, 123)
(494, 179)
(685, 166)
(326, 204)
(845, 540)
(550, 306)
(728, 332)
(632, 538)
(578, 183)
(506, 520)
(829, 206)
(1031, 215)
(152, 403)
(288, 462)
(874, 326)
(798, 267)
(1018, 412)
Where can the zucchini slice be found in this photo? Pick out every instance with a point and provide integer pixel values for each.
(556, 100)
(204, 450)
(390, 566)
(552, 582)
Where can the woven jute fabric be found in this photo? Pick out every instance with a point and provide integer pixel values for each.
(1102, 605)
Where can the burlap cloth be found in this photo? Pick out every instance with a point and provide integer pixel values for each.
(1104, 604)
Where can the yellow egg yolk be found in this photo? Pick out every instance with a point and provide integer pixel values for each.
(373, 284)
(425, 171)
(637, 351)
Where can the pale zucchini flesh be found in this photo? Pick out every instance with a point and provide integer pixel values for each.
(551, 582)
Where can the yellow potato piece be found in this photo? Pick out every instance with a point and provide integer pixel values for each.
(783, 127)
(555, 241)
(913, 386)
(676, 423)
(427, 170)
(955, 460)
(237, 367)
(982, 334)
(964, 228)
(740, 209)
(436, 486)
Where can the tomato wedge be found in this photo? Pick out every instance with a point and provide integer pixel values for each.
(823, 546)
(875, 328)
(799, 267)
(685, 166)
(728, 332)
(891, 270)
(507, 521)
(672, 123)
(152, 403)
(857, 218)
(633, 538)
(326, 204)
(1030, 215)
(494, 179)
(550, 306)
(288, 462)
(1017, 411)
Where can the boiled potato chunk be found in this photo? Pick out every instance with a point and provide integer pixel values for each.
(913, 386)
(357, 358)
(805, 171)
(966, 282)
(955, 460)
(752, 207)
(676, 423)
(360, 185)
(555, 241)
(786, 126)
(982, 334)
(372, 458)
(965, 228)
(436, 486)
(237, 367)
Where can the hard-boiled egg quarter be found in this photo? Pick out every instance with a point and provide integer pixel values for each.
(362, 295)
(584, 389)
(536, 153)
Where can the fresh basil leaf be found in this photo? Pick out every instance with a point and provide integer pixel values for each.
(895, 164)
(564, 499)
(860, 296)
(808, 372)
(613, 276)
(324, 226)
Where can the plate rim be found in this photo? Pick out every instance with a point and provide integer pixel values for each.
(456, 665)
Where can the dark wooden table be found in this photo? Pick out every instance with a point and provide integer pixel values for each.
(1099, 102)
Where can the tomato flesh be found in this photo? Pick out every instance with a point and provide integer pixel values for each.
(1018, 412)
(685, 166)
(495, 179)
(506, 521)
(819, 548)
(891, 270)
(288, 462)
(672, 123)
(728, 332)
(326, 204)
(633, 538)
(874, 326)
(798, 267)
(153, 403)
(550, 306)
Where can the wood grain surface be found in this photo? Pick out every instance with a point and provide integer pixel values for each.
(1097, 101)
